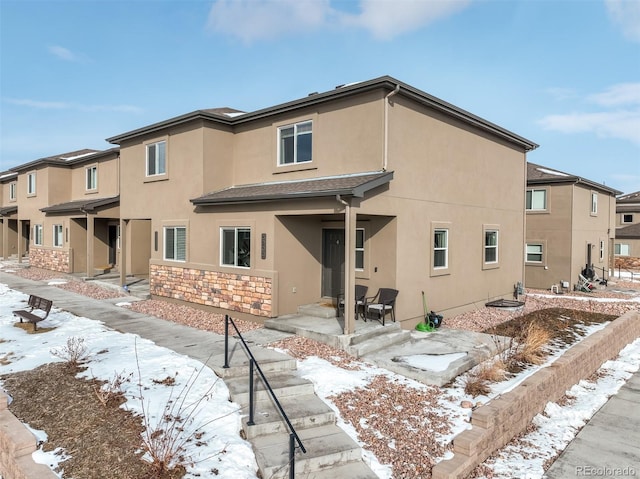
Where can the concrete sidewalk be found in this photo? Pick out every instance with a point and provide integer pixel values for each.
(609, 445)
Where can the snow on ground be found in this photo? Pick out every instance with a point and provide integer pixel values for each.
(112, 353)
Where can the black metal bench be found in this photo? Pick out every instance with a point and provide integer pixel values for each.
(34, 303)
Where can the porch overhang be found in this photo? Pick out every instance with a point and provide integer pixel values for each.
(82, 206)
(8, 210)
(354, 185)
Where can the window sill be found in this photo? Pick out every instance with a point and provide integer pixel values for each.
(153, 179)
(294, 168)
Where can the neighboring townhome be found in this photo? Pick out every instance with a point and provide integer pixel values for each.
(374, 183)
(68, 211)
(628, 225)
(570, 228)
(9, 237)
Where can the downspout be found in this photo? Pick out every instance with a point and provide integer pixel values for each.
(385, 159)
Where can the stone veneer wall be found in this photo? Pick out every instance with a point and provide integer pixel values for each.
(16, 445)
(500, 420)
(52, 259)
(236, 292)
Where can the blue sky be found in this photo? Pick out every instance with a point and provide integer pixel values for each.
(564, 74)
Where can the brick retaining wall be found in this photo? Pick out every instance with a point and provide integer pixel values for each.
(236, 292)
(51, 259)
(500, 420)
(16, 445)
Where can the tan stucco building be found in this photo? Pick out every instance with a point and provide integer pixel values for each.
(570, 228)
(628, 225)
(374, 183)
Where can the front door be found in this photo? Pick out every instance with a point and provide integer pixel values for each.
(332, 262)
(113, 243)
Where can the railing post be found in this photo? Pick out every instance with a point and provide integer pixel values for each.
(226, 341)
(292, 457)
(251, 393)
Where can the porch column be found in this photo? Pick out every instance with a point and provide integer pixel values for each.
(90, 235)
(349, 270)
(21, 241)
(5, 238)
(123, 251)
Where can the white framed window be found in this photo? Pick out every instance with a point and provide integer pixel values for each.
(621, 249)
(37, 235)
(157, 158)
(627, 218)
(91, 173)
(491, 246)
(359, 249)
(31, 183)
(295, 143)
(601, 250)
(594, 203)
(534, 252)
(13, 191)
(175, 243)
(536, 200)
(440, 248)
(57, 236)
(235, 247)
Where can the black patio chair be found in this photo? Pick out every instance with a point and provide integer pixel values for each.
(382, 303)
(359, 299)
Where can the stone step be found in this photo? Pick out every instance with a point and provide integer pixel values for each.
(378, 342)
(283, 385)
(319, 310)
(327, 447)
(351, 470)
(303, 412)
(270, 361)
(366, 335)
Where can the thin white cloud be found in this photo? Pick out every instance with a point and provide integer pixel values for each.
(60, 105)
(626, 14)
(622, 94)
(62, 53)
(251, 20)
(618, 115)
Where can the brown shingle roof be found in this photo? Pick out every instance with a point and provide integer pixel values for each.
(629, 198)
(7, 210)
(540, 175)
(631, 231)
(345, 185)
(81, 206)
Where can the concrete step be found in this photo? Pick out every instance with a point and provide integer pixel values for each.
(378, 342)
(319, 310)
(351, 470)
(303, 412)
(327, 447)
(270, 361)
(367, 334)
(282, 384)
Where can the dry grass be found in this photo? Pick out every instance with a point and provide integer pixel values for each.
(532, 345)
(475, 386)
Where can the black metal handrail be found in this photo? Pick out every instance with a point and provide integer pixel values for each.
(253, 364)
(632, 273)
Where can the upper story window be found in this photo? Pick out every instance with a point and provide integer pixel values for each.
(235, 247)
(491, 246)
(440, 248)
(594, 203)
(92, 177)
(294, 143)
(157, 158)
(360, 249)
(627, 218)
(31, 183)
(175, 243)
(13, 191)
(37, 235)
(534, 252)
(536, 200)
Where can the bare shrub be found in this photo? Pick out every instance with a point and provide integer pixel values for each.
(111, 391)
(532, 345)
(492, 372)
(475, 386)
(74, 353)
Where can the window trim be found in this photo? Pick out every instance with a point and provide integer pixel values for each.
(531, 191)
(13, 191)
(436, 226)
(622, 218)
(617, 248)
(56, 234)
(602, 250)
(38, 235)
(236, 230)
(175, 228)
(279, 152)
(31, 185)
(163, 174)
(362, 249)
(594, 203)
(541, 253)
(445, 248)
(91, 186)
(490, 264)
